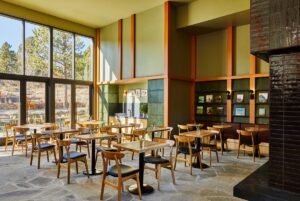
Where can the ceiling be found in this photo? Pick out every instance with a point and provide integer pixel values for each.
(92, 13)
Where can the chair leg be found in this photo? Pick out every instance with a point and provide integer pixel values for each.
(244, 150)
(222, 146)
(138, 185)
(210, 157)
(253, 153)
(86, 168)
(238, 151)
(185, 160)
(88, 149)
(158, 176)
(199, 156)
(132, 156)
(58, 170)
(6, 142)
(54, 154)
(31, 158)
(13, 149)
(176, 155)
(76, 164)
(191, 164)
(217, 155)
(39, 159)
(69, 171)
(119, 192)
(172, 172)
(47, 156)
(26, 148)
(102, 187)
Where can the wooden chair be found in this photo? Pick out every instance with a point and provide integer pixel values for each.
(128, 135)
(181, 148)
(9, 134)
(20, 138)
(210, 144)
(70, 157)
(136, 134)
(104, 129)
(160, 162)
(102, 148)
(121, 171)
(82, 143)
(221, 138)
(38, 147)
(183, 128)
(248, 138)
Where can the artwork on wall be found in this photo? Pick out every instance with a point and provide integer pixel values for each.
(218, 99)
(201, 99)
(209, 98)
(131, 93)
(240, 111)
(220, 110)
(138, 92)
(262, 97)
(199, 110)
(262, 112)
(209, 110)
(239, 98)
(144, 92)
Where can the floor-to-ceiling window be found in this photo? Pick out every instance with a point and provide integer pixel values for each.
(42, 70)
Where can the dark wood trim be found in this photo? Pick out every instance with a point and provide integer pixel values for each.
(132, 58)
(235, 77)
(182, 79)
(22, 102)
(73, 106)
(120, 56)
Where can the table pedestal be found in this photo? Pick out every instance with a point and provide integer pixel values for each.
(93, 171)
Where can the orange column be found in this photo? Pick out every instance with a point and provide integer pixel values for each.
(252, 87)
(229, 71)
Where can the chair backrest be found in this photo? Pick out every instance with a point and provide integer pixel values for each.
(20, 130)
(170, 143)
(248, 134)
(139, 132)
(105, 129)
(84, 130)
(116, 156)
(35, 138)
(9, 127)
(183, 128)
(169, 132)
(184, 140)
(64, 144)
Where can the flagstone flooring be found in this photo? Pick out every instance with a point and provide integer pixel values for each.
(20, 181)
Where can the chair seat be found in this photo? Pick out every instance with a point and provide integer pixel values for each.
(78, 142)
(185, 150)
(22, 138)
(45, 146)
(155, 160)
(74, 155)
(99, 149)
(125, 170)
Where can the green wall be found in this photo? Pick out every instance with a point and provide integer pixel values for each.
(262, 66)
(109, 53)
(212, 54)
(155, 102)
(241, 50)
(108, 100)
(126, 47)
(150, 42)
(180, 49)
(127, 87)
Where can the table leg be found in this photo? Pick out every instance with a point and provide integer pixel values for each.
(145, 188)
(197, 164)
(93, 170)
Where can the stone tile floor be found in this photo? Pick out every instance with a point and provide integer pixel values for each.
(20, 181)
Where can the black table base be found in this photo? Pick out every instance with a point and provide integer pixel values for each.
(93, 173)
(146, 189)
(204, 166)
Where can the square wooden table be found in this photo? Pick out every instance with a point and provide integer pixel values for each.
(93, 137)
(199, 135)
(153, 130)
(141, 148)
(120, 126)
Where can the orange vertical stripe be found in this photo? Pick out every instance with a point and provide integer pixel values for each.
(229, 70)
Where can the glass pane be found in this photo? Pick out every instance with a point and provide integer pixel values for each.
(62, 54)
(35, 102)
(9, 103)
(37, 50)
(63, 104)
(83, 58)
(11, 45)
(82, 102)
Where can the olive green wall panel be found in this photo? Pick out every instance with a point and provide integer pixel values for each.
(109, 53)
(262, 66)
(150, 42)
(180, 49)
(126, 48)
(109, 95)
(155, 102)
(212, 54)
(241, 50)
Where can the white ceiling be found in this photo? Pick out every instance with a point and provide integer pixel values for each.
(92, 13)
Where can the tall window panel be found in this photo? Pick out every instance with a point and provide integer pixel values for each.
(37, 50)
(9, 103)
(83, 58)
(11, 45)
(82, 102)
(63, 54)
(63, 104)
(35, 102)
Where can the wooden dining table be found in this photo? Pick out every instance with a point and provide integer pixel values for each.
(141, 147)
(36, 127)
(93, 138)
(153, 130)
(199, 135)
(120, 126)
(90, 123)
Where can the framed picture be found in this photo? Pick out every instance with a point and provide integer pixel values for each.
(240, 98)
(209, 110)
(218, 99)
(144, 92)
(220, 110)
(138, 93)
(209, 98)
(131, 93)
(240, 111)
(201, 99)
(262, 112)
(262, 97)
(199, 110)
